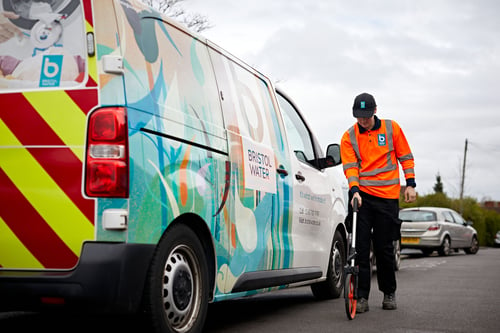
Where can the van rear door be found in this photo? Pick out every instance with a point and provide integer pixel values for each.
(46, 91)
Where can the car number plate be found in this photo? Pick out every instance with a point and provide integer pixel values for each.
(410, 240)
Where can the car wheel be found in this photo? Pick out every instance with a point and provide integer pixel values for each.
(177, 288)
(397, 254)
(444, 250)
(474, 247)
(332, 286)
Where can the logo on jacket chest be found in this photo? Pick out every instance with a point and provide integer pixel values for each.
(381, 140)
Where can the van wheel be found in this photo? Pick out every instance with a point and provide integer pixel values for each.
(332, 286)
(177, 288)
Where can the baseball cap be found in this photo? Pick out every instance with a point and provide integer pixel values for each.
(364, 106)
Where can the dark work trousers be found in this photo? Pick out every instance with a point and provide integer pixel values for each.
(377, 221)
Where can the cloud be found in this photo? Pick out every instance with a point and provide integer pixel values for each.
(433, 66)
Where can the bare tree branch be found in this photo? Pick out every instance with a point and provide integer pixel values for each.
(172, 8)
(197, 22)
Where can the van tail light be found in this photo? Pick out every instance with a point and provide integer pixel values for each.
(434, 227)
(106, 156)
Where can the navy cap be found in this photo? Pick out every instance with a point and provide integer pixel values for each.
(364, 106)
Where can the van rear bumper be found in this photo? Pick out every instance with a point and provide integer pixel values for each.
(109, 277)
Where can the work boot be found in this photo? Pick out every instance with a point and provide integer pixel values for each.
(389, 302)
(362, 305)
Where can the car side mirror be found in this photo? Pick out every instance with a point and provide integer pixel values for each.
(469, 223)
(332, 156)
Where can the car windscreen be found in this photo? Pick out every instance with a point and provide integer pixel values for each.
(417, 216)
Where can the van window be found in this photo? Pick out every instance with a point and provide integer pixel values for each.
(43, 45)
(298, 133)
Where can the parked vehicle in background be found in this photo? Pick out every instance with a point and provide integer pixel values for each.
(434, 228)
(497, 239)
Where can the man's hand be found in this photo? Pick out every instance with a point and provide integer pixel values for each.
(410, 194)
(356, 195)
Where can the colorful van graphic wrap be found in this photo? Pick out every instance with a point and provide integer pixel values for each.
(172, 95)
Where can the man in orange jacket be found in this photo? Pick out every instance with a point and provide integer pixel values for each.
(371, 151)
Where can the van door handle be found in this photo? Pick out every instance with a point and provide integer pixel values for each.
(282, 172)
(299, 177)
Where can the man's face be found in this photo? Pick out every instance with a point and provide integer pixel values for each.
(366, 123)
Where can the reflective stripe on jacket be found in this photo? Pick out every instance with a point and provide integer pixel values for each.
(370, 158)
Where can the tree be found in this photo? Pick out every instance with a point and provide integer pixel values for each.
(438, 187)
(173, 9)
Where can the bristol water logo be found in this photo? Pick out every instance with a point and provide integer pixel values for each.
(51, 70)
(381, 140)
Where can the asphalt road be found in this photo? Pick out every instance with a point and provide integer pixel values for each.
(458, 293)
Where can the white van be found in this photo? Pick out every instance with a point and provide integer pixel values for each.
(143, 168)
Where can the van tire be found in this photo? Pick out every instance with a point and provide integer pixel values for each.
(177, 288)
(332, 286)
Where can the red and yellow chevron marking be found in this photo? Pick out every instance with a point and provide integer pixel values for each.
(40, 175)
(43, 217)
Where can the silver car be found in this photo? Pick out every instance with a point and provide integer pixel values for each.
(432, 228)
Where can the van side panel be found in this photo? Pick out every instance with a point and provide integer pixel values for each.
(261, 221)
(189, 158)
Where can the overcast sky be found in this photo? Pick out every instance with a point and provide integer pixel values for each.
(432, 65)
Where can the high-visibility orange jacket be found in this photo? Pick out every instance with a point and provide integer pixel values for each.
(370, 158)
